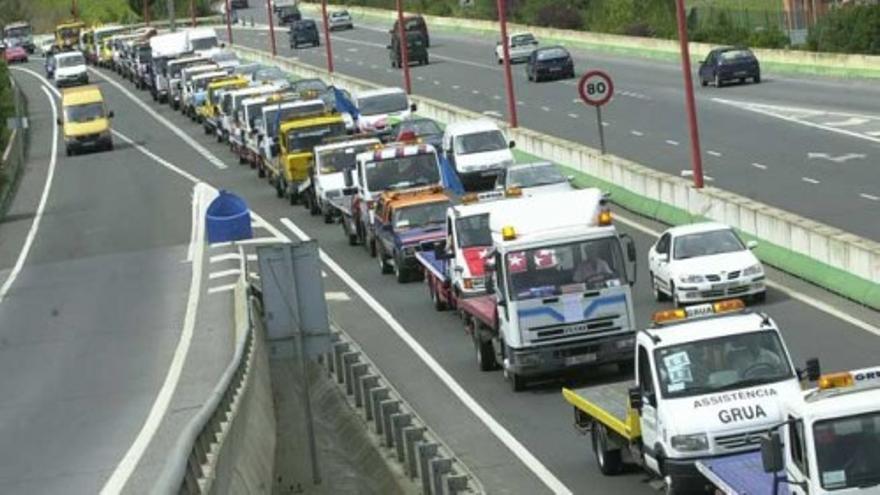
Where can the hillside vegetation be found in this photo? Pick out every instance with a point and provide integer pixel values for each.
(44, 14)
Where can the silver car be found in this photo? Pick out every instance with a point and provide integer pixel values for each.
(339, 19)
(534, 178)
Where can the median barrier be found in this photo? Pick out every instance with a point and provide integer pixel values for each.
(826, 256)
(14, 153)
(791, 60)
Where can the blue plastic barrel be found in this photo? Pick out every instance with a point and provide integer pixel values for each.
(228, 219)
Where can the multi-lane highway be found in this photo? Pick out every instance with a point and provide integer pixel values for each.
(805, 144)
(82, 390)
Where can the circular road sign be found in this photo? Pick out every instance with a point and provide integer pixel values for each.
(596, 88)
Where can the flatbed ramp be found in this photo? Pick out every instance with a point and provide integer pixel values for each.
(741, 474)
(606, 403)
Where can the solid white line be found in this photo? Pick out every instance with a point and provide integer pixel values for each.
(714, 153)
(673, 143)
(41, 206)
(503, 435)
(129, 462)
(224, 257)
(852, 121)
(870, 196)
(810, 180)
(223, 273)
(220, 288)
(9, 145)
(758, 165)
(873, 133)
(336, 296)
(173, 128)
(637, 133)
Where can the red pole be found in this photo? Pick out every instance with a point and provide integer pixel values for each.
(147, 12)
(74, 10)
(271, 26)
(229, 22)
(192, 12)
(327, 37)
(508, 79)
(696, 156)
(404, 48)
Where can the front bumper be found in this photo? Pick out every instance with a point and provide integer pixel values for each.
(555, 358)
(89, 141)
(708, 291)
(72, 80)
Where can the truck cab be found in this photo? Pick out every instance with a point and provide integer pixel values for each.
(408, 221)
(478, 151)
(230, 104)
(164, 47)
(377, 108)
(332, 160)
(296, 141)
(708, 381)
(209, 110)
(828, 443)
(394, 166)
(281, 109)
(196, 91)
(67, 34)
(175, 78)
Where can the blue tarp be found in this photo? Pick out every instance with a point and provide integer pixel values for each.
(344, 105)
(449, 177)
(744, 474)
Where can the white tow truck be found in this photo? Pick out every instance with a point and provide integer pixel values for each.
(829, 443)
(165, 47)
(327, 176)
(708, 381)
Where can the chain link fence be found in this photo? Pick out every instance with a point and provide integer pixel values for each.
(14, 149)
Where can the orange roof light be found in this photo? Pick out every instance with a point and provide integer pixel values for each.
(728, 305)
(469, 198)
(514, 192)
(605, 217)
(669, 315)
(836, 380)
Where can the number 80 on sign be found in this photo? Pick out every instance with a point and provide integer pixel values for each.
(595, 88)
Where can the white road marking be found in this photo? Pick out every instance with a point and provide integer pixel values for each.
(577, 100)
(852, 121)
(496, 97)
(637, 133)
(173, 128)
(258, 240)
(436, 82)
(792, 293)
(573, 115)
(219, 288)
(360, 62)
(126, 466)
(475, 91)
(492, 113)
(713, 153)
(873, 133)
(336, 296)
(374, 66)
(546, 109)
(9, 145)
(837, 159)
(690, 173)
(456, 86)
(420, 78)
(223, 273)
(41, 206)
(671, 142)
(520, 102)
(606, 124)
(224, 257)
(869, 196)
(352, 50)
(810, 180)
(518, 449)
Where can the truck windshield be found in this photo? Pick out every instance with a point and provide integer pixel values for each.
(407, 171)
(846, 451)
(533, 176)
(480, 142)
(203, 43)
(724, 363)
(575, 267)
(84, 113)
(337, 160)
(18, 32)
(473, 231)
(306, 139)
(68, 32)
(419, 216)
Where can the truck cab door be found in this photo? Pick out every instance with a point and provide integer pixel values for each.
(797, 464)
(648, 415)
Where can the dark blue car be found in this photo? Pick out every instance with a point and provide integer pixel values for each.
(729, 64)
(551, 62)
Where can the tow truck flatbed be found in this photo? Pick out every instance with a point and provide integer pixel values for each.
(741, 474)
(481, 308)
(433, 265)
(607, 404)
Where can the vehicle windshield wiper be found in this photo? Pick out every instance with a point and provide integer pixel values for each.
(750, 382)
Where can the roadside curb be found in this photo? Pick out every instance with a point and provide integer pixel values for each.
(14, 158)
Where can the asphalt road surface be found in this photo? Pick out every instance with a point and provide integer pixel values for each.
(808, 145)
(395, 323)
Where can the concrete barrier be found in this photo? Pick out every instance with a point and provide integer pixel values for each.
(829, 257)
(798, 60)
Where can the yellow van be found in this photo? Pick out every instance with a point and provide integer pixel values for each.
(86, 121)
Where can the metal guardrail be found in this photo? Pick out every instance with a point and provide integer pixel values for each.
(188, 468)
(14, 152)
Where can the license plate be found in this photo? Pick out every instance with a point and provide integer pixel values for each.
(580, 359)
(724, 286)
(555, 69)
(741, 73)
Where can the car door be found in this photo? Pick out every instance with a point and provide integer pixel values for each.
(658, 265)
(707, 67)
(530, 65)
(648, 391)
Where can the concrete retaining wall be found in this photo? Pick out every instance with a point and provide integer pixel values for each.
(867, 65)
(824, 255)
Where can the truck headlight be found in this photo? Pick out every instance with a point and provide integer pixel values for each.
(753, 270)
(690, 443)
(528, 359)
(691, 279)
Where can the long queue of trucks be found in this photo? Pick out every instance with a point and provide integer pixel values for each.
(542, 283)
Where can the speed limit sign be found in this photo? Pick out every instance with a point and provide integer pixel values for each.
(596, 88)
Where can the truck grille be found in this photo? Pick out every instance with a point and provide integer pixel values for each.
(602, 324)
(739, 441)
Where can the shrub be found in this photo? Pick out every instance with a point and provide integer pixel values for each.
(849, 29)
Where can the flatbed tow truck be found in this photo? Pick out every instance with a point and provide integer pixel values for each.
(558, 296)
(831, 439)
(708, 380)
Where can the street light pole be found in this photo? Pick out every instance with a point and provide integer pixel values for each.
(229, 22)
(170, 6)
(508, 79)
(404, 48)
(192, 12)
(271, 27)
(147, 12)
(696, 156)
(327, 37)
(74, 11)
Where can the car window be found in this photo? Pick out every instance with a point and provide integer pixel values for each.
(663, 244)
(534, 176)
(552, 53)
(382, 104)
(421, 127)
(736, 55)
(522, 39)
(706, 244)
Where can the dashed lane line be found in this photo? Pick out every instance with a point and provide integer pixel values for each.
(870, 197)
(672, 142)
(714, 153)
(759, 166)
(637, 133)
(810, 180)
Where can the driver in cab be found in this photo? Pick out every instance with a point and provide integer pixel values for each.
(591, 267)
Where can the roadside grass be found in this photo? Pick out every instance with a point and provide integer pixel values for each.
(741, 5)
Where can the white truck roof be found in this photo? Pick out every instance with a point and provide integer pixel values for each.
(168, 44)
(691, 330)
(542, 216)
(471, 126)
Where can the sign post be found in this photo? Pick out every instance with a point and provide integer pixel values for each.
(596, 89)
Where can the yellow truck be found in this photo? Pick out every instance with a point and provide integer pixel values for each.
(67, 35)
(86, 122)
(208, 111)
(297, 139)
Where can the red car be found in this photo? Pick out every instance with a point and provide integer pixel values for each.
(15, 54)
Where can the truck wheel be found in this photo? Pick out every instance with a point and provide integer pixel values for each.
(439, 304)
(676, 302)
(384, 266)
(370, 245)
(517, 382)
(293, 197)
(485, 353)
(659, 296)
(328, 216)
(400, 273)
(279, 187)
(609, 460)
(352, 238)
(313, 205)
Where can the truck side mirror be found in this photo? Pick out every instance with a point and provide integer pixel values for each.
(511, 144)
(275, 149)
(771, 452)
(632, 269)
(347, 177)
(413, 107)
(110, 115)
(58, 121)
(635, 398)
(813, 370)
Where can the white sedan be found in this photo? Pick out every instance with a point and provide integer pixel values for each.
(704, 262)
(519, 45)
